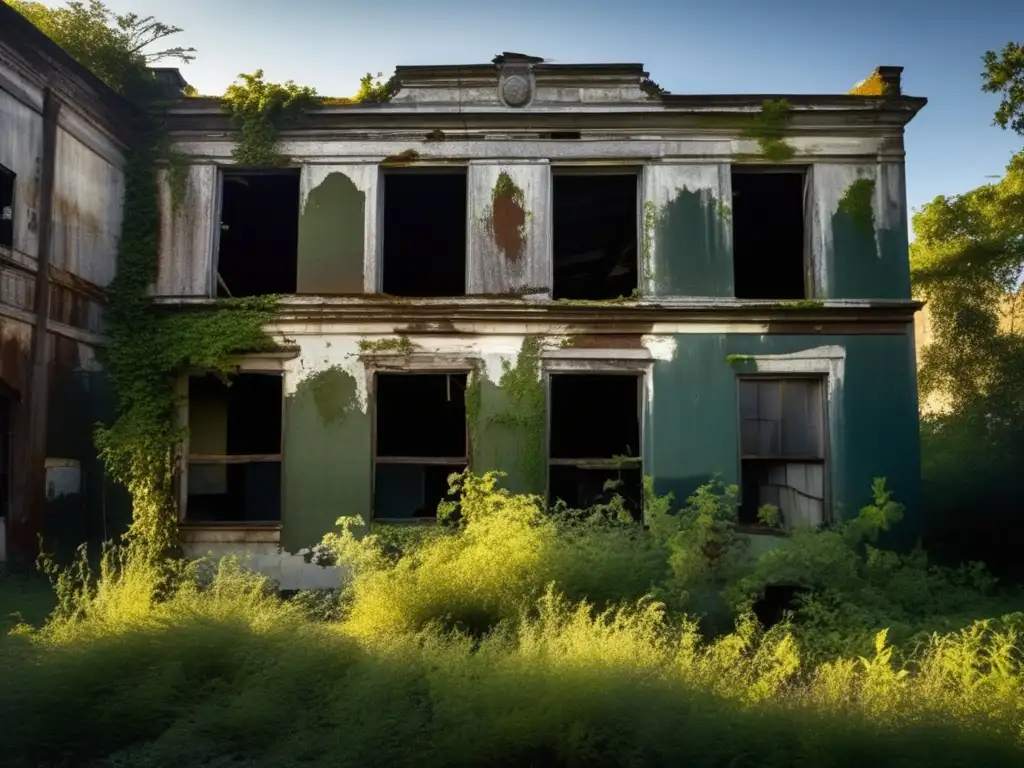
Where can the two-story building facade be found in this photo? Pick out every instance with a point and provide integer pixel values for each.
(557, 271)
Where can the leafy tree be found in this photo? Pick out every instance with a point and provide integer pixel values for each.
(1004, 73)
(116, 47)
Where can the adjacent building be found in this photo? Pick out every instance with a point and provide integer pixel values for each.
(558, 271)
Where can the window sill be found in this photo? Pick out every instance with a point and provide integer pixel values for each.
(229, 533)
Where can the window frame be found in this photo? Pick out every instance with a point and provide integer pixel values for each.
(376, 364)
(267, 364)
(625, 167)
(600, 362)
(821, 378)
(812, 289)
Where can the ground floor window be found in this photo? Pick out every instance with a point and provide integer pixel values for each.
(594, 439)
(782, 448)
(420, 439)
(235, 449)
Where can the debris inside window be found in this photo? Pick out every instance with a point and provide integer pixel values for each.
(234, 463)
(259, 234)
(596, 218)
(768, 234)
(424, 233)
(421, 439)
(595, 439)
(782, 449)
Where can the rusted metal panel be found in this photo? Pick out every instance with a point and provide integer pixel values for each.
(187, 234)
(87, 211)
(337, 236)
(21, 146)
(686, 232)
(509, 245)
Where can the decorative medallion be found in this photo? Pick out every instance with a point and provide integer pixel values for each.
(515, 90)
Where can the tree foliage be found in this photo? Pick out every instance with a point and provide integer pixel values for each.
(117, 48)
(1004, 74)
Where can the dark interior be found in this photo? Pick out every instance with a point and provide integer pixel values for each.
(581, 488)
(252, 494)
(409, 491)
(594, 416)
(259, 234)
(5, 455)
(6, 207)
(424, 234)
(595, 231)
(421, 415)
(253, 402)
(768, 235)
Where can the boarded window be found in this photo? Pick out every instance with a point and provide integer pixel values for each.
(259, 234)
(424, 233)
(6, 207)
(596, 218)
(234, 462)
(595, 439)
(768, 233)
(782, 448)
(420, 440)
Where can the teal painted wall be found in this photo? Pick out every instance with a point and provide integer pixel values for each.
(868, 262)
(692, 255)
(692, 430)
(327, 457)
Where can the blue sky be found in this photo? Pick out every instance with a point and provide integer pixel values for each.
(715, 46)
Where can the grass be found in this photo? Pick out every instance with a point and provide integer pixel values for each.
(24, 599)
(473, 645)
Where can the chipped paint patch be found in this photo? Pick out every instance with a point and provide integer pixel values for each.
(323, 353)
(508, 217)
(660, 347)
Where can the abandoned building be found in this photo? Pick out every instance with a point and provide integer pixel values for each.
(557, 271)
(62, 145)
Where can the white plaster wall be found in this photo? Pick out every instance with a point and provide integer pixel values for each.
(290, 571)
(21, 147)
(188, 232)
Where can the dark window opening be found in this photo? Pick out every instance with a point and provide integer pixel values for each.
(768, 235)
(782, 450)
(777, 600)
(563, 135)
(424, 234)
(234, 462)
(595, 440)
(595, 235)
(6, 207)
(259, 234)
(421, 439)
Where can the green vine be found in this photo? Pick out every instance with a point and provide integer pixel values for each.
(768, 128)
(400, 346)
(506, 187)
(527, 409)
(177, 176)
(474, 403)
(259, 109)
(652, 218)
(858, 204)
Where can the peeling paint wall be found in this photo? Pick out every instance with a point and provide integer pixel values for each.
(337, 229)
(859, 245)
(686, 243)
(188, 232)
(21, 146)
(509, 246)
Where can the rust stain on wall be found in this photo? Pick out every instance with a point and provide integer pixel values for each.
(508, 217)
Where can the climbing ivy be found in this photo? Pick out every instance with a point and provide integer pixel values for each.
(652, 218)
(400, 346)
(858, 204)
(259, 109)
(768, 128)
(527, 409)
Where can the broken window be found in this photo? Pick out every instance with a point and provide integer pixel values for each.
(420, 440)
(768, 234)
(595, 439)
(782, 449)
(6, 207)
(596, 218)
(234, 462)
(259, 234)
(424, 233)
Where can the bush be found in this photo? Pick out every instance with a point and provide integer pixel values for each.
(477, 642)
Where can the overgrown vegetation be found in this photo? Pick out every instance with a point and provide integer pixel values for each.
(858, 202)
(768, 128)
(515, 635)
(259, 109)
(527, 410)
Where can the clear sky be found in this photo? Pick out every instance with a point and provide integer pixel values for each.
(715, 46)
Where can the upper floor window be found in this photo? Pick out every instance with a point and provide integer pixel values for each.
(424, 235)
(6, 207)
(596, 217)
(768, 242)
(782, 448)
(257, 252)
